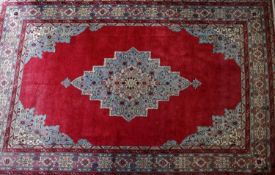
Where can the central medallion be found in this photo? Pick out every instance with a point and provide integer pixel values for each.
(131, 83)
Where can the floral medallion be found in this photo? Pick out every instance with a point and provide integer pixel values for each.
(131, 83)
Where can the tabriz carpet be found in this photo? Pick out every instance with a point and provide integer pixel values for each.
(120, 87)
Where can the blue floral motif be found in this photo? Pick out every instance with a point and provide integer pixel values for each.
(225, 40)
(43, 39)
(29, 130)
(227, 131)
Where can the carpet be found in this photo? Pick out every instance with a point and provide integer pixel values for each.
(142, 87)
